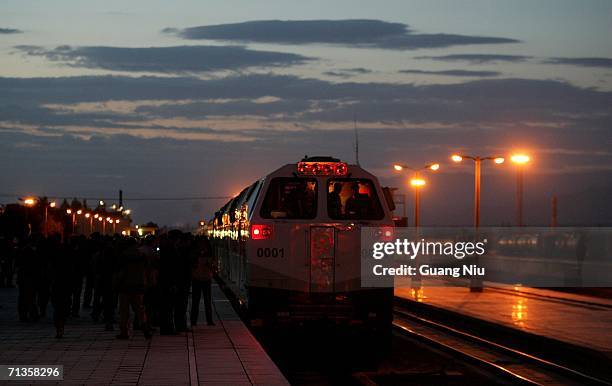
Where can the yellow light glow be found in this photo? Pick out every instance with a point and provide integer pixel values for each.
(87, 215)
(52, 204)
(417, 182)
(96, 215)
(140, 232)
(117, 221)
(99, 218)
(397, 167)
(456, 158)
(137, 226)
(79, 211)
(201, 223)
(434, 167)
(123, 233)
(127, 212)
(29, 201)
(101, 203)
(499, 160)
(68, 211)
(108, 219)
(520, 158)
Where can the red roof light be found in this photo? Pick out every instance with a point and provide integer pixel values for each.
(322, 168)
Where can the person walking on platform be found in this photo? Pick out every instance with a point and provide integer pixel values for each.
(151, 297)
(62, 271)
(131, 287)
(7, 258)
(26, 281)
(201, 281)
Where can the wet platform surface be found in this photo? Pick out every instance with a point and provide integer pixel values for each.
(224, 354)
(576, 319)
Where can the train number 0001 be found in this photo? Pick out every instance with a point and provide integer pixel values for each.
(271, 252)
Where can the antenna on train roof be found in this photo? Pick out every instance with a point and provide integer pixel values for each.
(356, 140)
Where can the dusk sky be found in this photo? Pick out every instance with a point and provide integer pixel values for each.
(200, 98)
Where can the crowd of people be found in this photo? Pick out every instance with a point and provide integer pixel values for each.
(153, 276)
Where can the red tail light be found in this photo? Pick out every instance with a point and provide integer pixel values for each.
(261, 232)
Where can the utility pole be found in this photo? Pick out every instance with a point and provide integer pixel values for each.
(356, 141)
(553, 214)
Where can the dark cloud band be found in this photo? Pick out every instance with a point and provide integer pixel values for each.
(477, 58)
(459, 73)
(356, 33)
(8, 31)
(582, 62)
(179, 59)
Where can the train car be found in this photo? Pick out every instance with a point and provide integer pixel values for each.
(288, 246)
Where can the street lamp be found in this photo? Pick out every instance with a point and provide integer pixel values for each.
(477, 161)
(90, 217)
(520, 160)
(417, 183)
(49, 205)
(71, 212)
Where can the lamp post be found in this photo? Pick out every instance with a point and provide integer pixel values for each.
(73, 215)
(476, 281)
(477, 176)
(50, 205)
(114, 225)
(417, 183)
(89, 216)
(520, 160)
(28, 202)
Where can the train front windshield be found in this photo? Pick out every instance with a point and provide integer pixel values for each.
(353, 199)
(291, 198)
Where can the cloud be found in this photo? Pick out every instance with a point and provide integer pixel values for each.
(464, 73)
(356, 33)
(348, 72)
(179, 59)
(8, 31)
(477, 58)
(581, 62)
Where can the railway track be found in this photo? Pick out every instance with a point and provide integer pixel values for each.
(508, 363)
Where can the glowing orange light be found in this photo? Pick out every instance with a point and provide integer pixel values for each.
(499, 160)
(68, 211)
(417, 182)
(398, 167)
(52, 204)
(520, 158)
(456, 158)
(29, 201)
(117, 221)
(79, 211)
(96, 215)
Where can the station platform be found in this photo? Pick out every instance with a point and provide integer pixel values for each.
(579, 320)
(224, 354)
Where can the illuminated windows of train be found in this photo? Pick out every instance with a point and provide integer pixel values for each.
(351, 198)
(291, 198)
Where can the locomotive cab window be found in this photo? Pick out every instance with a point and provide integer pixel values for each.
(290, 198)
(353, 199)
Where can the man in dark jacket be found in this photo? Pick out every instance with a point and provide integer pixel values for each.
(131, 285)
